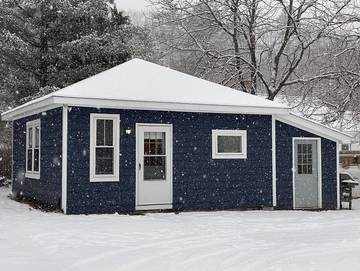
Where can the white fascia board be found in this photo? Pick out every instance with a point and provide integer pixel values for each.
(315, 128)
(163, 106)
(56, 101)
(27, 110)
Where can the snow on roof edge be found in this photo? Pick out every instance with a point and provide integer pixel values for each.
(41, 99)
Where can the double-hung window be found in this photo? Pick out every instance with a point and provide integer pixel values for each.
(33, 149)
(229, 144)
(104, 147)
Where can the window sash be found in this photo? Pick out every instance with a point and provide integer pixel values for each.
(106, 138)
(218, 152)
(218, 142)
(102, 143)
(33, 154)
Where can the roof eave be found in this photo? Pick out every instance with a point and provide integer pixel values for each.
(169, 106)
(57, 101)
(35, 107)
(315, 128)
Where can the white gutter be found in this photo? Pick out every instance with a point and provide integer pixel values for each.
(49, 102)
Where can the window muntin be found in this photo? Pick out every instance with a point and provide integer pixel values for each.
(104, 153)
(305, 159)
(154, 156)
(229, 144)
(33, 149)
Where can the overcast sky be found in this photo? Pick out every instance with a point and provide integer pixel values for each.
(137, 5)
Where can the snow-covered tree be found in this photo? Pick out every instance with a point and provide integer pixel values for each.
(45, 45)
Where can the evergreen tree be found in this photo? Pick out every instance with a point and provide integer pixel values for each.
(49, 44)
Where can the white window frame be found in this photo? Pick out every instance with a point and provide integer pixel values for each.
(31, 173)
(217, 155)
(116, 143)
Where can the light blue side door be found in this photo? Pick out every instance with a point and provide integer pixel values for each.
(306, 174)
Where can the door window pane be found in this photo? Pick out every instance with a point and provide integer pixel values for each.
(304, 159)
(154, 156)
(155, 168)
(154, 143)
(229, 144)
(104, 161)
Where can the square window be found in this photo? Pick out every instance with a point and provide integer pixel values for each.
(229, 144)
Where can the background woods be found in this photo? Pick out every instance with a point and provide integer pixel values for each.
(302, 52)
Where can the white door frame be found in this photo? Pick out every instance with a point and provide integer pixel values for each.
(170, 167)
(318, 139)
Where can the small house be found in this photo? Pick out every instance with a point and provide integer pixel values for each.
(141, 136)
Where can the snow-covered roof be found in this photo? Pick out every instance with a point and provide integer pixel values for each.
(138, 84)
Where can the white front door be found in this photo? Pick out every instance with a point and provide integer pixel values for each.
(154, 166)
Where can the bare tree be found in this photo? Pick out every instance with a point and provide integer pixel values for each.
(335, 99)
(257, 46)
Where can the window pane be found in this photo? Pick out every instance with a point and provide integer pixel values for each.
(36, 160)
(30, 137)
(300, 158)
(29, 160)
(104, 161)
(155, 168)
(229, 144)
(299, 148)
(100, 132)
(108, 133)
(160, 143)
(37, 136)
(309, 169)
(305, 160)
(154, 143)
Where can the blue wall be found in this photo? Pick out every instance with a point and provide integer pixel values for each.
(284, 135)
(47, 189)
(199, 182)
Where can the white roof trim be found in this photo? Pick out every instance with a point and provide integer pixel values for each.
(54, 101)
(168, 106)
(314, 127)
(41, 105)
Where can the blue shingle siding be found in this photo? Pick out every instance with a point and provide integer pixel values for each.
(284, 152)
(47, 189)
(199, 182)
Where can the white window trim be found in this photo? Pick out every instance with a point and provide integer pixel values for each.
(217, 155)
(116, 139)
(32, 124)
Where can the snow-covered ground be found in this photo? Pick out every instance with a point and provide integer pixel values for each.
(226, 240)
